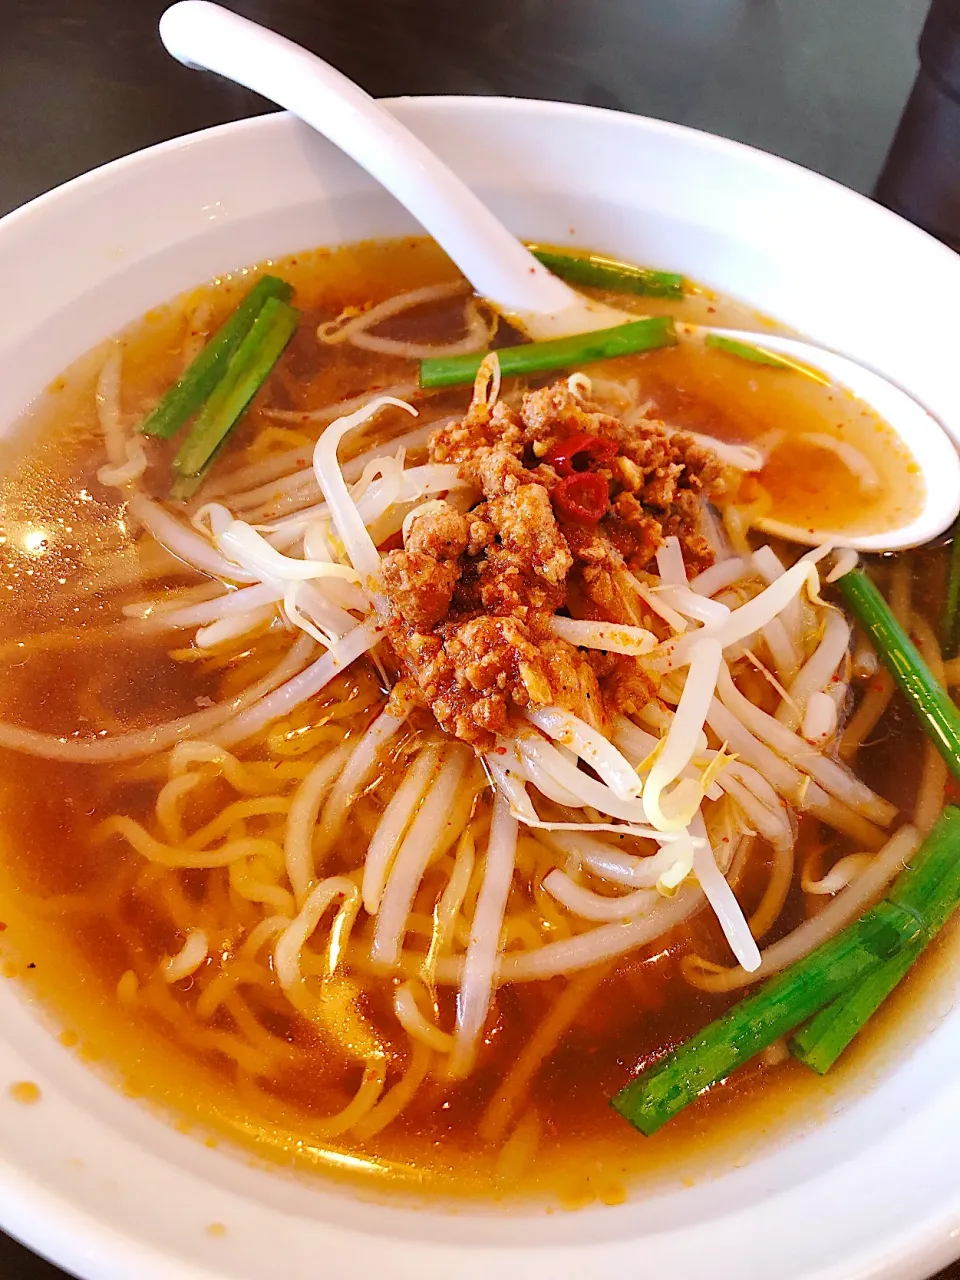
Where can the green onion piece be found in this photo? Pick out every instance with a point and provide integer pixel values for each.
(936, 884)
(187, 397)
(561, 353)
(820, 1043)
(778, 1007)
(606, 273)
(244, 376)
(934, 707)
(746, 351)
(184, 487)
(950, 623)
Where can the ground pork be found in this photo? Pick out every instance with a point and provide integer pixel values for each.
(477, 675)
(472, 595)
(439, 531)
(419, 586)
(553, 413)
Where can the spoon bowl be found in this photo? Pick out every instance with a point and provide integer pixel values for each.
(203, 35)
(933, 451)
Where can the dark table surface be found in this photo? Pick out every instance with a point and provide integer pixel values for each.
(822, 82)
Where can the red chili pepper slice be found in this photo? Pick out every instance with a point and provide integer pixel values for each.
(579, 453)
(584, 497)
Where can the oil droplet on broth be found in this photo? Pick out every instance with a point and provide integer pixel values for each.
(25, 1092)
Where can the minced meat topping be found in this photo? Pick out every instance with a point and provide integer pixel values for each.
(568, 502)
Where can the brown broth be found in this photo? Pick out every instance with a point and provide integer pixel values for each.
(703, 389)
(75, 919)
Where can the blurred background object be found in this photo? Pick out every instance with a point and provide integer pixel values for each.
(921, 177)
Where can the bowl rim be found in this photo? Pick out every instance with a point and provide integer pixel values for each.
(87, 1244)
(266, 120)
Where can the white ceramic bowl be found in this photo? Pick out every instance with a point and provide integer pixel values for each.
(108, 1190)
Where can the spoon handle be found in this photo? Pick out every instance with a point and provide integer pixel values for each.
(201, 34)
